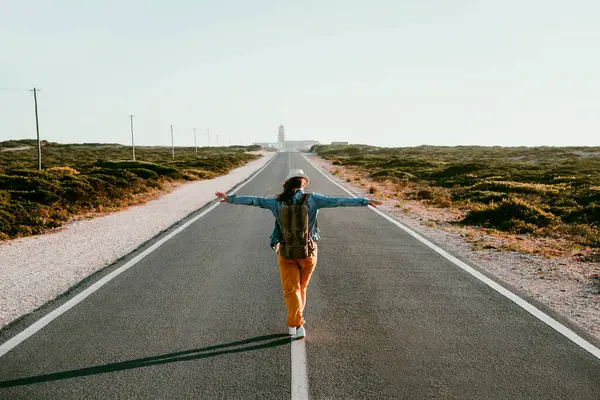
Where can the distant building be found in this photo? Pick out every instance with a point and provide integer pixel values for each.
(340, 143)
(302, 145)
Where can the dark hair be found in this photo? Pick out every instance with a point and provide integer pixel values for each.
(289, 188)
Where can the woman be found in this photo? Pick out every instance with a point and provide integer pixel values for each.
(294, 237)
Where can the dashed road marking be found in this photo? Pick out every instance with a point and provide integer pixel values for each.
(299, 375)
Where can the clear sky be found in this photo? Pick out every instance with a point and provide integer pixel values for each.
(388, 73)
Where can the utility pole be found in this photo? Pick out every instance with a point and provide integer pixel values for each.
(208, 133)
(132, 142)
(172, 142)
(195, 142)
(37, 129)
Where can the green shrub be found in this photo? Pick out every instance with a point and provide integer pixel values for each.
(75, 189)
(106, 183)
(392, 173)
(41, 196)
(118, 178)
(137, 166)
(7, 220)
(513, 215)
(463, 168)
(425, 194)
(196, 174)
(143, 173)
(517, 187)
(590, 214)
(64, 170)
(592, 238)
(587, 195)
(480, 196)
(29, 183)
(436, 196)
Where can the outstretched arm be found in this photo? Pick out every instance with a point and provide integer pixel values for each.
(223, 196)
(375, 203)
(322, 201)
(262, 202)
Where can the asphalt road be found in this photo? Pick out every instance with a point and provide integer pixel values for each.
(203, 317)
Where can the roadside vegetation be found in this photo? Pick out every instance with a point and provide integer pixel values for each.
(541, 192)
(86, 179)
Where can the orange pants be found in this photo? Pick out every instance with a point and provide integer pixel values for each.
(295, 275)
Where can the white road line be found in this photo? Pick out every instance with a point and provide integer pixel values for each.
(45, 320)
(299, 375)
(568, 333)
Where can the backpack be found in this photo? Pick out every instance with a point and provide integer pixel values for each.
(297, 242)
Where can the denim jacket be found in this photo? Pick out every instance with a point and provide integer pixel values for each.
(315, 202)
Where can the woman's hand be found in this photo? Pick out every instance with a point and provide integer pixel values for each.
(223, 196)
(375, 203)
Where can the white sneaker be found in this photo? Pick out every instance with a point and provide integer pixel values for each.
(292, 330)
(300, 333)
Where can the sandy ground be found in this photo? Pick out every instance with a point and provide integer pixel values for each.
(563, 283)
(37, 269)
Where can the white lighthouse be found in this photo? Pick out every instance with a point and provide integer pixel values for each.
(281, 138)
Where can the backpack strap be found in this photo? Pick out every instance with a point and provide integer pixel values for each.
(304, 198)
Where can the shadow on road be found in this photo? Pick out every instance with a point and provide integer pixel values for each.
(187, 355)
